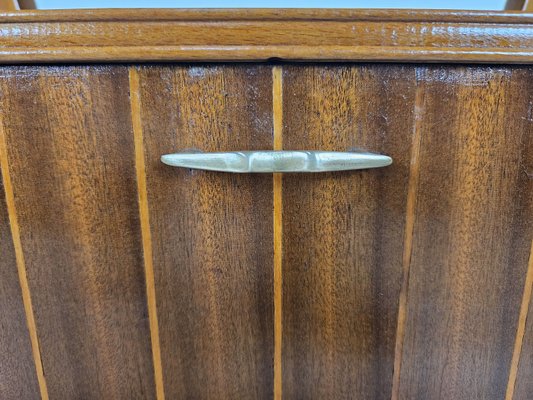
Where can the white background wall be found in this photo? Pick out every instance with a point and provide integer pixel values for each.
(442, 4)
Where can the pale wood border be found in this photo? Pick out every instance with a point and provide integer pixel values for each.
(144, 214)
(277, 106)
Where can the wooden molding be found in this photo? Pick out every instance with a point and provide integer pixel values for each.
(259, 35)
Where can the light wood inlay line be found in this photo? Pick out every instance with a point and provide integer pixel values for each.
(277, 102)
(21, 265)
(145, 230)
(414, 174)
(524, 309)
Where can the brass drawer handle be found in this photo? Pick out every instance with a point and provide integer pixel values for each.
(277, 161)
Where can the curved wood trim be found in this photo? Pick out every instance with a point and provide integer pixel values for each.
(259, 35)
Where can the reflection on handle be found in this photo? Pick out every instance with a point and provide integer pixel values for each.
(277, 161)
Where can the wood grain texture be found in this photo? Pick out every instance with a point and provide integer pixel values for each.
(21, 264)
(18, 378)
(410, 217)
(520, 385)
(472, 233)
(144, 214)
(211, 232)
(73, 173)
(349, 35)
(343, 232)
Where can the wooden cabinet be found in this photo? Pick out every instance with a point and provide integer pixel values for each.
(124, 278)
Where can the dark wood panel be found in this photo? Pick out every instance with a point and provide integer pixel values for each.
(211, 232)
(18, 378)
(472, 233)
(71, 156)
(343, 232)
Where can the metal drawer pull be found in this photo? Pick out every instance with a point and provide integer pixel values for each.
(277, 161)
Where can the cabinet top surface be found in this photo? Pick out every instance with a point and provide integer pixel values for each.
(137, 35)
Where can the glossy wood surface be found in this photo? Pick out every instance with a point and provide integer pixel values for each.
(71, 162)
(472, 233)
(349, 35)
(18, 379)
(148, 281)
(343, 232)
(211, 232)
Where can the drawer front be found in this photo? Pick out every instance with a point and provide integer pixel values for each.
(126, 278)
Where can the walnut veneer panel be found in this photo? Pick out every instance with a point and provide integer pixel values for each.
(18, 378)
(453, 211)
(71, 160)
(211, 232)
(343, 232)
(403, 282)
(472, 234)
